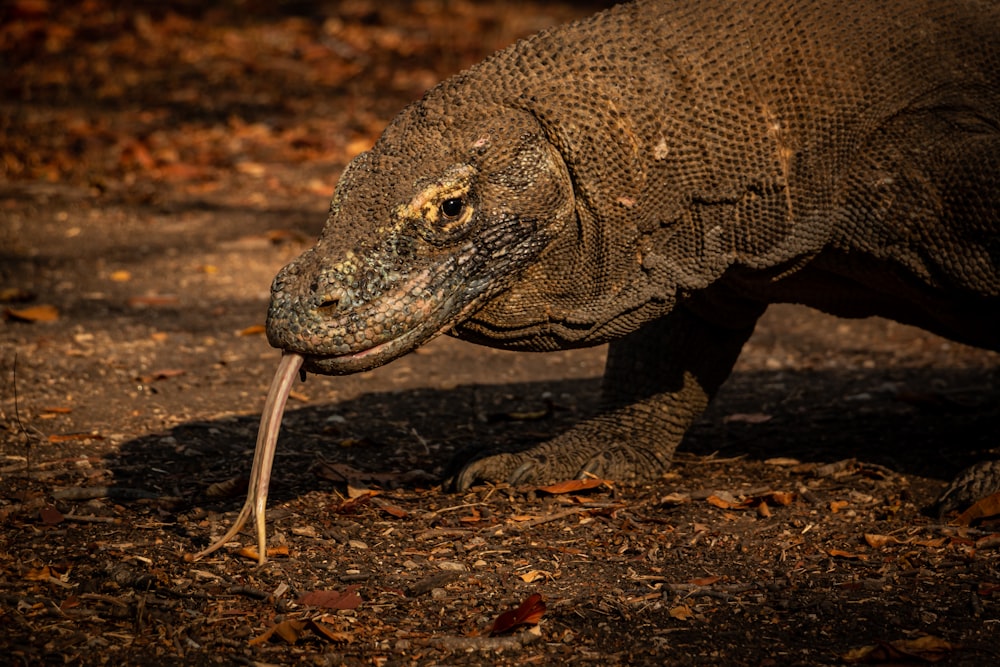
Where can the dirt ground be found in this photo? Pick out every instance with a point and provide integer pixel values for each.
(161, 162)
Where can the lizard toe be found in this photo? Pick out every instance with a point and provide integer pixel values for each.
(625, 463)
(493, 468)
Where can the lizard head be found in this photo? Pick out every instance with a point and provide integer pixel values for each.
(438, 218)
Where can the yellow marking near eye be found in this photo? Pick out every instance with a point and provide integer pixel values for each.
(426, 204)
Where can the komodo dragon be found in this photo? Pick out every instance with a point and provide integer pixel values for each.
(653, 177)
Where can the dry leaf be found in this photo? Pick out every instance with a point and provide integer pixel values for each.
(573, 486)
(880, 541)
(393, 510)
(705, 581)
(121, 276)
(228, 487)
(534, 575)
(837, 505)
(328, 633)
(164, 374)
(982, 509)
(71, 437)
(40, 574)
(783, 498)
(682, 613)
(356, 489)
(349, 599)
(153, 300)
(839, 553)
(782, 461)
(290, 630)
(253, 330)
(719, 502)
(926, 648)
(528, 613)
(675, 499)
(50, 516)
(57, 410)
(250, 553)
(43, 313)
(763, 511)
(475, 517)
(15, 294)
(747, 418)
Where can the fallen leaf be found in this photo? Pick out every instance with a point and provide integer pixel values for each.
(782, 461)
(393, 510)
(70, 437)
(50, 516)
(250, 553)
(15, 294)
(330, 599)
(719, 502)
(290, 630)
(277, 236)
(573, 486)
(682, 613)
(880, 541)
(57, 410)
(357, 490)
(534, 575)
(43, 313)
(228, 487)
(783, 498)
(121, 276)
(39, 574)
(837, 505)
(253, 330)
(528, 613)
(839, 553)
(164, 374)
(763, 511)
(675, 499)
(529, 415)
(982, 509)
(926, 648)
(328, 633)
(474, 517)
(705, 581)
(153, 300)
(747, 418)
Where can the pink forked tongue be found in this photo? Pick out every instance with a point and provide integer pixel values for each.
(263, 457)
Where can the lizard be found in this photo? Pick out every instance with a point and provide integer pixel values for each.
(653, 177)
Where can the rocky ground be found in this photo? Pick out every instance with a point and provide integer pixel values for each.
(161, 162)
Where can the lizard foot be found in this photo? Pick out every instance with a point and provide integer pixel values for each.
(560, 460)
(972, 484)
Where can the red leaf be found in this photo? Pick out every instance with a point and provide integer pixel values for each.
(573, 486)
(332, 599)
(529, 613)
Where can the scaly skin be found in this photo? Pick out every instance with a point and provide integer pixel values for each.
(655, 176)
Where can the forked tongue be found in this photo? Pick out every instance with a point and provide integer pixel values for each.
(263, 458)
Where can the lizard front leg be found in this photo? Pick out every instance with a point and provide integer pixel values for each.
(657, 382)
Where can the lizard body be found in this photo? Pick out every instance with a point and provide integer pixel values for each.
(654, 177)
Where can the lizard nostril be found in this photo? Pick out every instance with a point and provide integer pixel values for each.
(331, 302)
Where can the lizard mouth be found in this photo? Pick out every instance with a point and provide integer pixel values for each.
(386, 351)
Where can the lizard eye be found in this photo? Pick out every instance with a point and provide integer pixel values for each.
(451, 208)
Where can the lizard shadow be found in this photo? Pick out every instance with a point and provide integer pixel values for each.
(885, 417)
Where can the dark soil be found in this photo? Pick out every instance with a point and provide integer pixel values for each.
(161, 162)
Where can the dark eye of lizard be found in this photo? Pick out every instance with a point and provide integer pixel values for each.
(452, 208)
